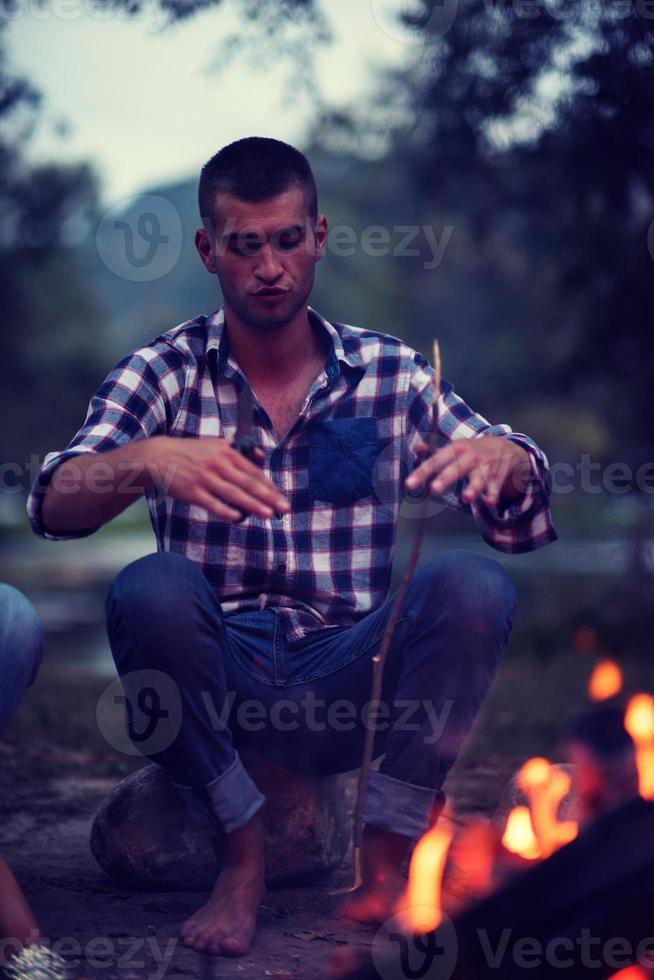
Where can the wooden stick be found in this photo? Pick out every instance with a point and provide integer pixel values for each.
(380, 657)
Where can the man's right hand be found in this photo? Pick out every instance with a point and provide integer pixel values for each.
(91, 488)
(211, 473)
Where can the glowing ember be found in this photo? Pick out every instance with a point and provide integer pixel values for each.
(420, 907)
(585, 640)
(639, 722)
(630, 973)
(605, 681)
(472, 858)
(519, 836)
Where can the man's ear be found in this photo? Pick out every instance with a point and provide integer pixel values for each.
(204, 245)
(320, 235)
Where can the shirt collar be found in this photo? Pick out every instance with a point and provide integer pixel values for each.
(217, 341)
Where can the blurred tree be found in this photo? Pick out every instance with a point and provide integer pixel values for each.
(55, 317)
(526, 127)
(530, 125)
(48, 314)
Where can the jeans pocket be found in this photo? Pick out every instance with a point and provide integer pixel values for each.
(342, 454)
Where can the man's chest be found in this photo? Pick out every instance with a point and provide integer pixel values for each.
(282, 409)
(283, 404)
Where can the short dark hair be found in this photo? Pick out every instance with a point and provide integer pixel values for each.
(255, 169)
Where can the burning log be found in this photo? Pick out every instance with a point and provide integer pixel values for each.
(604, 758)
(505, 897)
(586, 908)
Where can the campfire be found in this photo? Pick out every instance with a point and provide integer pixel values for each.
(549, 890)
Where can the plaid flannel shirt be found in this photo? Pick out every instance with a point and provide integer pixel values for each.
(326, 563)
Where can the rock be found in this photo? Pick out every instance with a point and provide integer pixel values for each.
(144, 837)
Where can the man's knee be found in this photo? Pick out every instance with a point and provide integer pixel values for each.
(151, 586)
(21, 643)
(151, 611)
(472, 588)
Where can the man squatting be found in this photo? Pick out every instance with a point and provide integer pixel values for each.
(272, 572)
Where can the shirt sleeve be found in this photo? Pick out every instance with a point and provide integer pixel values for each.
(133, 402)
(523, 525)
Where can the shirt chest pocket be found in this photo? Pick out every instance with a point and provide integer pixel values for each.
(342, 454)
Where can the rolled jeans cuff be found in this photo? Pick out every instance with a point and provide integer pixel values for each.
(400, 807)
(231, 799)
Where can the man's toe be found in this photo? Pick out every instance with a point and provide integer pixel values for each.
(188, 929)
(234, 946)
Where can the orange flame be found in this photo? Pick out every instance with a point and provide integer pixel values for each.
(519, 836)
(545, 786)
(420, 907)
(605, 681)
(630, 973)
(472, 856)
(639, 722)
(535, 772)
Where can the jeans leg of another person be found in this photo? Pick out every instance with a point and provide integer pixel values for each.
(21, 649)
(168, 641)
(455, 619)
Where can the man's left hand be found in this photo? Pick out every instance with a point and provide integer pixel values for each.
(496, 469)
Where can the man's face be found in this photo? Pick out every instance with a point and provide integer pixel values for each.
(264, 255)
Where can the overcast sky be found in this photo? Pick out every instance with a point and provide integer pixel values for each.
(142, 103)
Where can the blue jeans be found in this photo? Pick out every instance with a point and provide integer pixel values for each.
(21, 649)
(225, 689)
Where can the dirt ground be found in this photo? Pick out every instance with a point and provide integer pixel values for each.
(55, 769)
(105, 931)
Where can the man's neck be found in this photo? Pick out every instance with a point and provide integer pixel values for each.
(275, 356)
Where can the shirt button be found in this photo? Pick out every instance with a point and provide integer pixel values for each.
(281, 567)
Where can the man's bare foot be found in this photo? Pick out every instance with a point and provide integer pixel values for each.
(383, 883)
(16, 919)
(227, 922)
